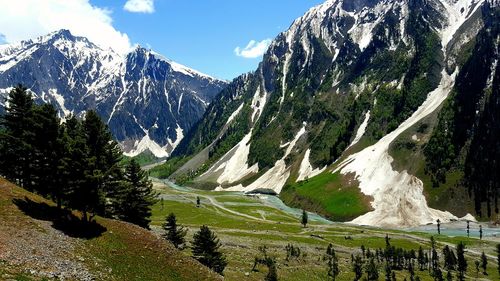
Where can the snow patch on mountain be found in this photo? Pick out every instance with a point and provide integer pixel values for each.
(306, 170)
(361, 130)
(258, 103)
(398, 196)
(236, 167)
(234, 114)
(179, 132)
(146, 144)
(60, 101)
(275, 178)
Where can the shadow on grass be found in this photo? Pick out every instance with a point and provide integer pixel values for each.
(63, 220)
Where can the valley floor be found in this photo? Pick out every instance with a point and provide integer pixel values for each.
(245, 223)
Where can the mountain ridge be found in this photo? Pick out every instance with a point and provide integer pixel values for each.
(316, 85)
(76, 75)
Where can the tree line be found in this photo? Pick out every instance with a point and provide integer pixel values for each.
(74, 162)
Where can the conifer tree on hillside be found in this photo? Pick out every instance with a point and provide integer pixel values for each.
(174, 232)
(75, 162)
(484, 263)
(104, 177)
(357, 267)
(461, 261)
(205, 249)
(136, 197)
(47, 152)
(304, 219)
(15, 149)
(333, 263)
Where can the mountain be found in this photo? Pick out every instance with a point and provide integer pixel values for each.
(343, 106)
(147, 100)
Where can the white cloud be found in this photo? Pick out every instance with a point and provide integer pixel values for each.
(26, 19)
(254, 49)
(140, 6)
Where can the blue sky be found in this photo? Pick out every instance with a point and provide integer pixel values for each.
(203, 34)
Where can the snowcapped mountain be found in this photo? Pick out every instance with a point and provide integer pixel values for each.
(148, 101)
(337, 94)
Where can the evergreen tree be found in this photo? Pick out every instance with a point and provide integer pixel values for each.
(75, 165)
(47, 151)
(484, 263)
(137, 196)
(304, 219)
(333, 263)
(206, 250)
(450, 260)
(388, 272)
(461, 261)
(16, 153)
(174, 232)
(357, 267)
(439, 226)
(421, 258)
(372, 271)
(104, 155)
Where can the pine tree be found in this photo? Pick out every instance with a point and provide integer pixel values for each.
(76, 167)
(450, 260)
(372, 271)
(136, 198)
(357, 267)
(48, 151)
(304, 219)
(174, 232)
(388, 272)
(104, 178)
(16, 153)
(461, 261)
(484, 263)
(333, 263)
(206, 250)
(421, 258)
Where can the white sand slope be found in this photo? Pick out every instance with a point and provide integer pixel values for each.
(398, 196)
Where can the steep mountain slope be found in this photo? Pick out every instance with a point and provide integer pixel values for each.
(346, 75)
(147, 100)
(35, 245)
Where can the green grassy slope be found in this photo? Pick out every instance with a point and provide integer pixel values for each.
(36, 246)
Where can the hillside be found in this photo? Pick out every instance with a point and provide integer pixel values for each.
(35, 244)
(333, 94)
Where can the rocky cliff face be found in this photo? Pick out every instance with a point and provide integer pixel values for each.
(148, 101)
